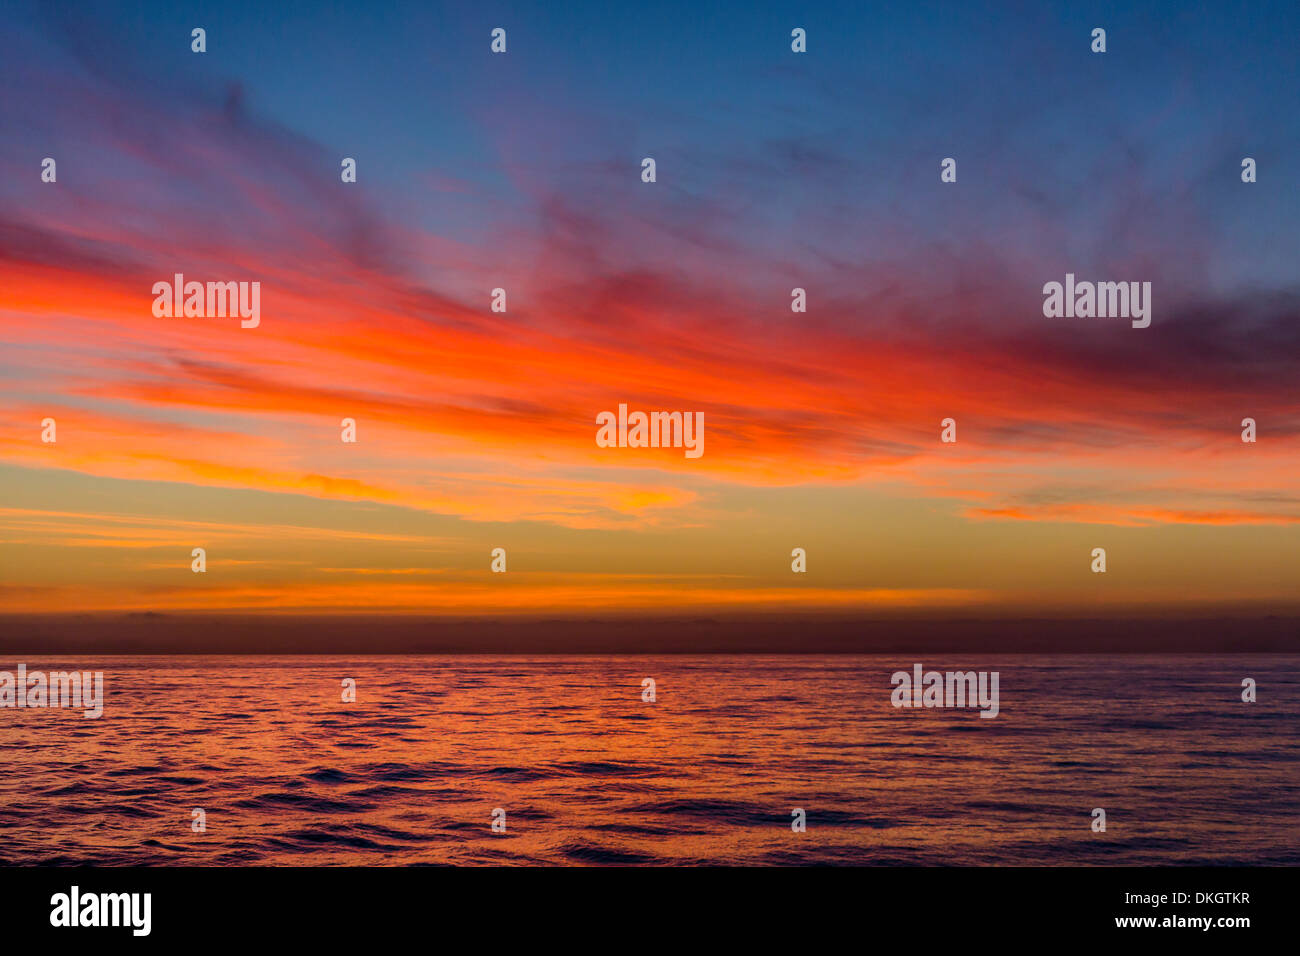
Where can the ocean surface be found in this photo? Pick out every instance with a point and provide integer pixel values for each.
(709, 773)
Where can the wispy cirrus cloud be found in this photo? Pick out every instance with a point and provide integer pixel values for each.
(676, 296)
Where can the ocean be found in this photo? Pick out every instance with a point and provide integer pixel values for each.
(578, 769)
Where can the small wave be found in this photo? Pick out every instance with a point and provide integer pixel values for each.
(593, 853)
(330, 775)
(279, 800)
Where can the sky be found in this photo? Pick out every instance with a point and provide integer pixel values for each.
(774, 170)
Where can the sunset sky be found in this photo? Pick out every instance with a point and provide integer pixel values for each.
(775, 170)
